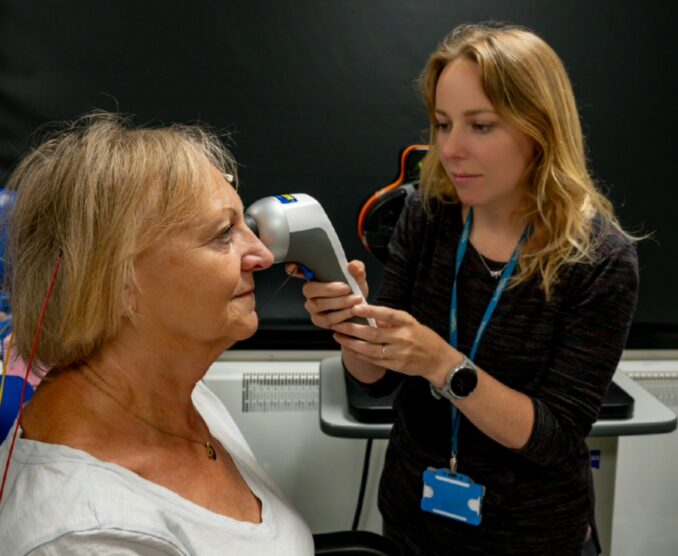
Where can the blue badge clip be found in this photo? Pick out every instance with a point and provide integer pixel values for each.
(452, 495)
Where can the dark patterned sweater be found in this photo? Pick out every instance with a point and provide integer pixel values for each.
(562, 354)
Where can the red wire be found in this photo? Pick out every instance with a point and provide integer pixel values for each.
(28, 370)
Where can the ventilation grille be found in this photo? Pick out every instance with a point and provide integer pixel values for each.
(265, 392)
(662, 385)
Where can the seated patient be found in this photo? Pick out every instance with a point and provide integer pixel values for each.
(122, 449)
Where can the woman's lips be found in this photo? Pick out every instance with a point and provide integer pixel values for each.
(245, 294)
(464, 178)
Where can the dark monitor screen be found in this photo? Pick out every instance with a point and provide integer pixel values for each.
(320, 99)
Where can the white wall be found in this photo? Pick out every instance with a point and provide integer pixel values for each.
(321, 474)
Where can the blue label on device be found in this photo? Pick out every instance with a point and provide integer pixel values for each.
(286, 198)
(308, 273)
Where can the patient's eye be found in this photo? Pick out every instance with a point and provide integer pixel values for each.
(225, 235)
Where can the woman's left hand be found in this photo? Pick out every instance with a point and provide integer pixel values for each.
(409, 347)
(400, 343)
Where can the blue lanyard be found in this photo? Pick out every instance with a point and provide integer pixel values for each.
(454, 330)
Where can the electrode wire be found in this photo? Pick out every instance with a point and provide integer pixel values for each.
(29, 365)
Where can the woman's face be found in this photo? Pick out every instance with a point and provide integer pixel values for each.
(485, 157)
(196, 285)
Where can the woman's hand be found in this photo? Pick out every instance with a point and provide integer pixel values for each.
(399, 343)
(330, 303)
(402, 344)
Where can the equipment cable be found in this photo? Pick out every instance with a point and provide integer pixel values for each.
(363, 484)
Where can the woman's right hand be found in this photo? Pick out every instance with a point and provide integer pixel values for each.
(330, 303)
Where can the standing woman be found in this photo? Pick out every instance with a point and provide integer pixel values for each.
(504, 309)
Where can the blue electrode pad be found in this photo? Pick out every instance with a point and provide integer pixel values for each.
(452, 495)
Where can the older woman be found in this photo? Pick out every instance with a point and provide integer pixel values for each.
(122, 448)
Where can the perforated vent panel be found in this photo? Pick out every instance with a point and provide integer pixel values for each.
(662, 385)
(267, 392)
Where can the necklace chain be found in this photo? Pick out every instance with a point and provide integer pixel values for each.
(210, 452)
(494, 273)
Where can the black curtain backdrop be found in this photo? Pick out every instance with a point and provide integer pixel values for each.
(319, 98)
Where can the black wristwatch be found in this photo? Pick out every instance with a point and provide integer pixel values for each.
(461, 381)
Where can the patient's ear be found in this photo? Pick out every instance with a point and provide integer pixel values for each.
(130, 300)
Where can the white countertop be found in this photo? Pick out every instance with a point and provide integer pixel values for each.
(650, 416)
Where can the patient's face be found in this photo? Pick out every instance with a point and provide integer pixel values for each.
(197, 285)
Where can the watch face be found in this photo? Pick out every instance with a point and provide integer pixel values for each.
(463, 382)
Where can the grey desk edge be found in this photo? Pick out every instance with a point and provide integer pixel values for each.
(650, 416)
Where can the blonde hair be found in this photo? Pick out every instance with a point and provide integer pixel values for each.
(528, 86)
(97, 194)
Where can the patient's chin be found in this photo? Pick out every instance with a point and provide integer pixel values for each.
(249, 325)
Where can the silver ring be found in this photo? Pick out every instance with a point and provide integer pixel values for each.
(384, 354)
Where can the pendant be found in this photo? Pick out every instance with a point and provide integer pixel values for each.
(496, 273)
(211, 452)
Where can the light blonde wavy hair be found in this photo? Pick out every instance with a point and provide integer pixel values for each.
(528, 86)
(97, 193)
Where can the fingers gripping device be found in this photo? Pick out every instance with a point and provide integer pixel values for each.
(295, 228)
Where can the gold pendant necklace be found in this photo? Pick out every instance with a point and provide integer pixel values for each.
(210, 452)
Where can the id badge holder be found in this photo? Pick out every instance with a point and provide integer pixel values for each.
(452, 495)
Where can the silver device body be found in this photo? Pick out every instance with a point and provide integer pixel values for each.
(295, 228)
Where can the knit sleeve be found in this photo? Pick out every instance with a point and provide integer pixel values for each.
(597, 310)
(399, 277)
(400, 270)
